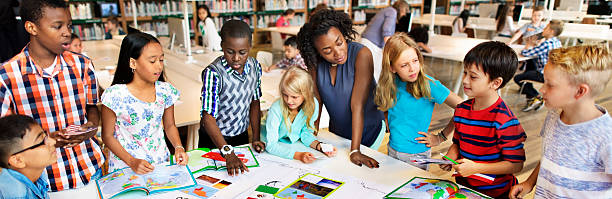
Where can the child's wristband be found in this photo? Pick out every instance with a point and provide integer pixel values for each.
(353, 151)
(176, 147)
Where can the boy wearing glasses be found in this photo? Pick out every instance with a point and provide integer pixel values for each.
(25, 152)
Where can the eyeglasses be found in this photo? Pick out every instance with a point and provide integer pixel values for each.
(33, 146)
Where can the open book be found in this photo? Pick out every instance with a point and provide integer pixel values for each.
(205, 159)
(310, 186)
(163, 178)
(419, 187)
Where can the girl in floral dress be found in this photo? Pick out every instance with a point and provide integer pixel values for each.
(139, 107)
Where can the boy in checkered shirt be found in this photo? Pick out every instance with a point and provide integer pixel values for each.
(58, 89)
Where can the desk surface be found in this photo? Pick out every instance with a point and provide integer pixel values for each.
(361, 181)
(455, 48)
(291, 30)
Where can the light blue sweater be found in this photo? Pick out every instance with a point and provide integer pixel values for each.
(277, 131)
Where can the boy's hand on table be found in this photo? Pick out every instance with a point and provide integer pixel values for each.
(466, 167)
(234, 165)
(259, 146)
(359, 159)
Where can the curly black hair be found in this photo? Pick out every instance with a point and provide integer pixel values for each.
(32, 10)
(319, 24)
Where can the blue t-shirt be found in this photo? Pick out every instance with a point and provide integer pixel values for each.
(15, 185)
(410, 116)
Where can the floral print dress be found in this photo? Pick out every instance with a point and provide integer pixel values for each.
(139, 126)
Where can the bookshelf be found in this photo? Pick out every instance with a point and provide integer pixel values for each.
(453, 7)
(363, 8)
(85, 21)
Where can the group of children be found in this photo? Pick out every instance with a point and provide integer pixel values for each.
(40, 105)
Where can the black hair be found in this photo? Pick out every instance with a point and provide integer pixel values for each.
(113, 19)
(131, 47)
(73, 37)
(419, 34)
(288, 12)
(12, 130)
(291, 41)
(32, 10)
(464, 15)
(501, 18)
(235, 29)
(495, 58)
(320, 23)
(205, 7)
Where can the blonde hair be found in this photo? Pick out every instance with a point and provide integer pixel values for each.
(297, 81)
(386, 89)
(589, 64)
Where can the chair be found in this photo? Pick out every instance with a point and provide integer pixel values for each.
(265, 58)
(277, 40)
(527, 81)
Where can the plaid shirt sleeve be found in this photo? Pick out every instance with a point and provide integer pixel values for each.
(283, 63)
(538, 50)
(210, 92)
(257, 93)
(5, 99)
(91, 85)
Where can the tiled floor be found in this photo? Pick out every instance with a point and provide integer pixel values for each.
(531, 121)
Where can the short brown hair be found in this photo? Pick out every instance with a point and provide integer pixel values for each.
(589, 64)
(557, 26)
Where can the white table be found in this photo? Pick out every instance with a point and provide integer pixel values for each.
(455, 49)
(476, 23)
(290, 30)
(359, 181)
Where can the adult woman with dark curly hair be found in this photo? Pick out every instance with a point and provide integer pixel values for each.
(342, 71)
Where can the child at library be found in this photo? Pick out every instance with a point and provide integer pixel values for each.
(207, 29)
(284, 20)
(292, 57)
(536, 26)
(291, 118)
(576, 138)
(460, 23)
(504, 23)
(112, 28)
(488, 137)
(138, 108)
(535, 67)
(236, 78)
(404, 87)
(75, 44)
(421, 37)
(61, 91)
(25, 151)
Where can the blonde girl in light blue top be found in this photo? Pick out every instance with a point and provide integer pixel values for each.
(292, 117)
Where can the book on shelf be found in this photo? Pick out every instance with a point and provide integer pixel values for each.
(372, 3)
(157, 8)
(220, 20)
(162, 178)
(206, 159)
(89, 31)
(333, 3)
(265, 21)
(81, 10)
(419, 187)
(230, 6)
(283, 4)
(359, 16)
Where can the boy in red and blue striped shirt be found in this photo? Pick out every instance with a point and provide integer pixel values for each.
(488, 137)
